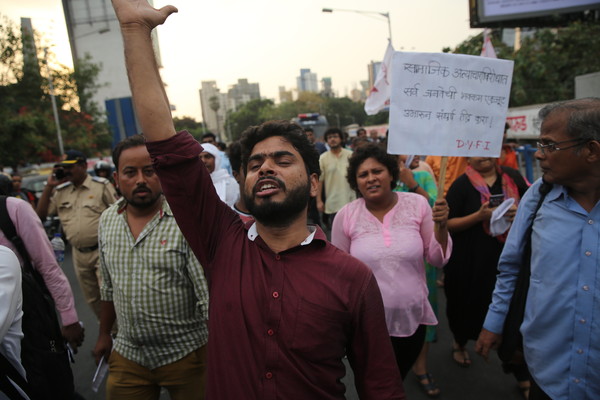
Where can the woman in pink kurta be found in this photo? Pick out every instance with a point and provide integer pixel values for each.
(393, 233)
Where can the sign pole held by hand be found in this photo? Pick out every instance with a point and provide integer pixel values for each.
(441, 183)
(442, 178)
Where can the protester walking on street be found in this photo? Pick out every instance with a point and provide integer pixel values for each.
(157, 293)
(393, 233)
(334, 164)
(560, 327)
(470, 275)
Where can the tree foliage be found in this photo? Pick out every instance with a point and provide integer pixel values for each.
(195, 128)
(28, 131)
(548, 62)
(338, 111)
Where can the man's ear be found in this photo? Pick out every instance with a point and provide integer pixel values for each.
(116, 179)
(314, 185)
(593, 147)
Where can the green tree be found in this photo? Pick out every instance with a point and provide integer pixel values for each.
(547, 63)
(195, 128)
(255, 112)
(343, 111)
(27, 132)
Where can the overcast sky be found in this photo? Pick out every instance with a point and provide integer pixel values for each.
(268, 41)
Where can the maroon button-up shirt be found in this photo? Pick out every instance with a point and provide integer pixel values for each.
(279, 324)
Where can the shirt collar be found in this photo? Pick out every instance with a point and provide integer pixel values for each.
(87, 182)
(557, 192)
(253, 234)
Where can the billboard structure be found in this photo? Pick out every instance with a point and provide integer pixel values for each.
(529, 13)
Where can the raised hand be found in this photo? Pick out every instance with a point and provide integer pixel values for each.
(133, 14)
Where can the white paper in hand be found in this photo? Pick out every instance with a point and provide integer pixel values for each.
(499, 224)
(99, 375)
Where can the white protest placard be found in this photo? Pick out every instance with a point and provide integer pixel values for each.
(448, 104)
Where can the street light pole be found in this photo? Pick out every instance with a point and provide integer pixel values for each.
(54, 108)
(386, 15)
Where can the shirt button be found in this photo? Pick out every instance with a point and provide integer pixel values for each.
(582, 321)
(270, 332)
(277, 257)
(275, 295)
(586, 288)
(591, 221)
(588, 253)
(575, 380)
(579, 351)
(268, 375)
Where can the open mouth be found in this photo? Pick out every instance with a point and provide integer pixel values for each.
(267, 188)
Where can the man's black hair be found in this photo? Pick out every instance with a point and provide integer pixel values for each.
(309, 129)
(334, 131)
(378, 153)
(291, 132)
(127, 143)
(234, 152)
(208, 135)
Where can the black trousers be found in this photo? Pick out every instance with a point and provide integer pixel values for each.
(407, 349)
(536, 393)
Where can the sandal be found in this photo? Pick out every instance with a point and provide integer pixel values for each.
(466, 362)
(430, 388)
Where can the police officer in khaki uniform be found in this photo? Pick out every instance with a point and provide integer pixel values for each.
(79, 199)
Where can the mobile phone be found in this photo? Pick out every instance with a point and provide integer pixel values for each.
(496, 200)
(59, 173)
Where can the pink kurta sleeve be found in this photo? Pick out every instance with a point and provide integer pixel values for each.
(339, 236)
(30, 229)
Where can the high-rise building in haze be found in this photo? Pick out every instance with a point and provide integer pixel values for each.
(241, 93)
(307, 81)
(214, 108)
(373, 69)
(327, 90)
(285, 95)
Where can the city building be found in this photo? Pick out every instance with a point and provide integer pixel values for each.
(214, 108)
(94, 32)
(327, 90)
(285, 95)
(307, 81)
(241, 93)
(373, 70)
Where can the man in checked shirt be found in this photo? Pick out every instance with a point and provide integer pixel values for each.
(153, 286)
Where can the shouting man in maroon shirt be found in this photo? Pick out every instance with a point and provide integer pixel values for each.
(285, 305)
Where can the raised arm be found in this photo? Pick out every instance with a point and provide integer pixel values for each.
(137, 19)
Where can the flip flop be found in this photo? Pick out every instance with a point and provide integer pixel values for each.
(430, 388)
(466, 363)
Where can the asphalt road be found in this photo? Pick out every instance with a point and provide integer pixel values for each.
(482, 381)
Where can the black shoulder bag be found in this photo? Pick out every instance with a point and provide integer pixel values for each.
(43, 352)
(511, 348)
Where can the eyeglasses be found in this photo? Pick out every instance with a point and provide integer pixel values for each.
(551, 147)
